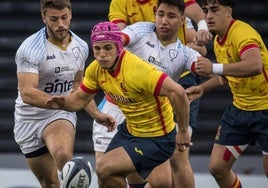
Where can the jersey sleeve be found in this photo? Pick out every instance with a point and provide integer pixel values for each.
(30, 54)
(117, 11)
(190, 56)
(248, 40)
(137, 31)
(90, 83)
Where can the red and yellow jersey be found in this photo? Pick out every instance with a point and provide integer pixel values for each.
(249, 93)
(130, 11)
(134, 87)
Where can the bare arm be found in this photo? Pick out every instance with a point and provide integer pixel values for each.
(250, 65)
(75, 101)
(92, 109)
(214, 82)
(191, 33)
(100, 117)
(195, 13)
(30, 94)
(78, 79)
(179, 101)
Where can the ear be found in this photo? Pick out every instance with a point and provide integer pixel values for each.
(71, 15)
(43, 16)
(183, 18)
(230, 11)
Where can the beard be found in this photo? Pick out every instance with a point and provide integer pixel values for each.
(59, 34)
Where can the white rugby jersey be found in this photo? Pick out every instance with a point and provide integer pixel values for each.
(173, 59)
(56, 67)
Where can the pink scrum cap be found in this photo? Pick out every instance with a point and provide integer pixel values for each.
(107, 31)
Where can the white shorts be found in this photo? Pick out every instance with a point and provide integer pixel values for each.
(100, 135)
(28, 133)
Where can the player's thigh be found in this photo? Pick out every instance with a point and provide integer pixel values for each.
(135, 178)
(59, 133)
(161, 176)
(116, 161)
(221, 159)
(59, 138)
(43, 167)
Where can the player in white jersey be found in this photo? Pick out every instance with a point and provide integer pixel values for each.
(49, 62)
(146, 40)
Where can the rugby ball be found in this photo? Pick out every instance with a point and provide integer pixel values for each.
(76, 173)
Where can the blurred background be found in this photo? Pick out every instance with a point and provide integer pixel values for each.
(19, 19)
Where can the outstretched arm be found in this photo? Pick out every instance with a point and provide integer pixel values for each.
(75, 101)
(78, 100)
(214, 82)
(102, 118)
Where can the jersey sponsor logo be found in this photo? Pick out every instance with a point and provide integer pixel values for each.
(158, 64)
(121, 99)
(59, 86)
(63, 69)
(51, 57)
(138, 150)
(149, 44)
(28, 63)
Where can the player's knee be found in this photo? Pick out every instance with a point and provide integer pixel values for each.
(62, 156)
(102, 170)
(160, 180)
(215, 170)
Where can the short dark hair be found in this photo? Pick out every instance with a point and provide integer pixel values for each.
(55, 4)
(177, 3)
(229, 3)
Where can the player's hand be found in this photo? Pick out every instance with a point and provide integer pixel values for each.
(56, 102)
(194, 92)
(183, 141)
(202, 37)
(106, 120)
(183, 146)
(203, 67)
